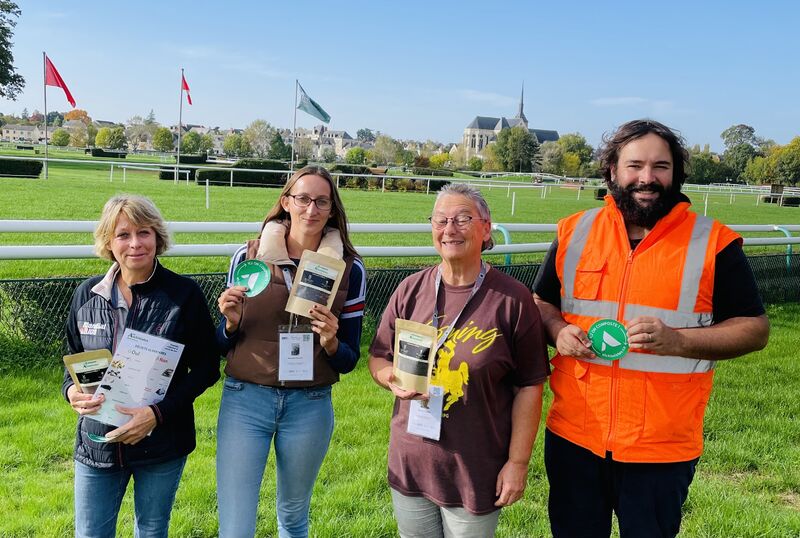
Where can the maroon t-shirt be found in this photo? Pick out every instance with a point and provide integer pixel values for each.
(498, 344)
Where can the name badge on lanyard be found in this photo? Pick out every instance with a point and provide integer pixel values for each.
(425, 418)
(295, 347)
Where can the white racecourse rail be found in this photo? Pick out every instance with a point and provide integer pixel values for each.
(87, 226)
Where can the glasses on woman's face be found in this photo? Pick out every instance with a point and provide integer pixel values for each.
(461, 222)
(303, 200)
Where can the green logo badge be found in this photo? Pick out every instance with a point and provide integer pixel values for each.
(609, 339)
(254, 274)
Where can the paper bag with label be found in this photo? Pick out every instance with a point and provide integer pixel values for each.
(414, 346)
(316, 282)
(87, 368)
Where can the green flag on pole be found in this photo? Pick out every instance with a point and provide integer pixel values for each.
(309, 106)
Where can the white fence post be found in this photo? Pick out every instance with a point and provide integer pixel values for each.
(207, 194)
(231, 178)
(513, 202)
(111, 175)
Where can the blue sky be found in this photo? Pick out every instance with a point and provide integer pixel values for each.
(423, 69)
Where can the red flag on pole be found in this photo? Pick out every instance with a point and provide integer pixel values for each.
(52, 78)
(185, 86)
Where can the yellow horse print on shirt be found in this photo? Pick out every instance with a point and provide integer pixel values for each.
(453, 381)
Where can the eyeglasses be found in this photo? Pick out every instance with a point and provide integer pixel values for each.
(461, 221)
(301, 200)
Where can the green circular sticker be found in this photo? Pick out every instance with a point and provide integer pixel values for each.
(254, 274)
(609, 339)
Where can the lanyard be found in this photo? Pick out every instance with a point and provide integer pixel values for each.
(287, 278)
(473, 293)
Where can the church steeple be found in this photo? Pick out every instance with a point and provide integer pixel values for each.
(520, 113)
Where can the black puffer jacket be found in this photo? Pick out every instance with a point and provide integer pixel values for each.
(166, 305)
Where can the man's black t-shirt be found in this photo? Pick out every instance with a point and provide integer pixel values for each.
(735, 290)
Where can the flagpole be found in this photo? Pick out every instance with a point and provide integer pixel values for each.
(180, 130)
(294, 125)
(44, 68)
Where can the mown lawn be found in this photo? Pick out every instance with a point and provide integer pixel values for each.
(78, 192)
(747, 484)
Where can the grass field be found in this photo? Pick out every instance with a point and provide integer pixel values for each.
(747, 484)
(78, 192)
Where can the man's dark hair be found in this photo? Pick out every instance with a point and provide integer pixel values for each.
(636, 129)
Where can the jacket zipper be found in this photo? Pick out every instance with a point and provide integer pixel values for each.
(128, 323)
(615, 366)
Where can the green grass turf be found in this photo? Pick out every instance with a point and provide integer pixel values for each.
(78, 192)
(747, 483)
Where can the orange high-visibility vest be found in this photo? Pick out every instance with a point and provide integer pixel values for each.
(643, 407)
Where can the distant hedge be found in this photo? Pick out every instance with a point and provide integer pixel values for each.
(100, 152)
(247, 179)
(402, 184)
(431, 172)
(169, 173)
(20, 168)
(193, 159)
(348, 181)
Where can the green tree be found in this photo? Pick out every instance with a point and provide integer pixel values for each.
(787, 166)
(552, 157)
(190, 142)
(706, 168)
(571, 164)
(761, 170)
(405, 157)
(162, 140)
(736, 135)
(55, 118)
(517, 150)
(365, 135)
(60, 138)
(91, 134)
(258, 135)
(78, 136)
(235, 145)
(328, 155)
(116, 139)
(355, 155)
(736, 157)
(304, 148)
(101, 140)
(206, 143)
(576, 143)
(11, 82)
(439, 160)
(475, 163)
(278, 149)
(386, 149)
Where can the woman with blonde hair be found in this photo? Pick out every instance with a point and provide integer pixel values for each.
(258, 408)
(136, 293)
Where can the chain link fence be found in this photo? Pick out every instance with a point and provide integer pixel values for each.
(33, 312)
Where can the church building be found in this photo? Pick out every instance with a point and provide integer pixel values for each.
(484, 129)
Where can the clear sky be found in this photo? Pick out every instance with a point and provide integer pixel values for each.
(424, 69)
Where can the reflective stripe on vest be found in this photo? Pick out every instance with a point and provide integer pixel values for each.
(683, 317)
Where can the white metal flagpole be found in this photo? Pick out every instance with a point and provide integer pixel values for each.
(180, 130)
(44, 66)
(294, 125)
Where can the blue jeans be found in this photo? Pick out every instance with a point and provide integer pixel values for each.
(99, 493)
(251, 417)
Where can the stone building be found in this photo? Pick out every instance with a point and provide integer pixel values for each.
(483, 130)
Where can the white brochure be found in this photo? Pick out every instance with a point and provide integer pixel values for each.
(139, 374)
(426, 420)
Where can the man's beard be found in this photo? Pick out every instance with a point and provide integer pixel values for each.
(648, 215)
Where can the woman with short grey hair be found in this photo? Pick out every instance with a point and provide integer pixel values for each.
(489, 366)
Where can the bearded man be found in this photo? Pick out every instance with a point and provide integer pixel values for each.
(624, 435)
